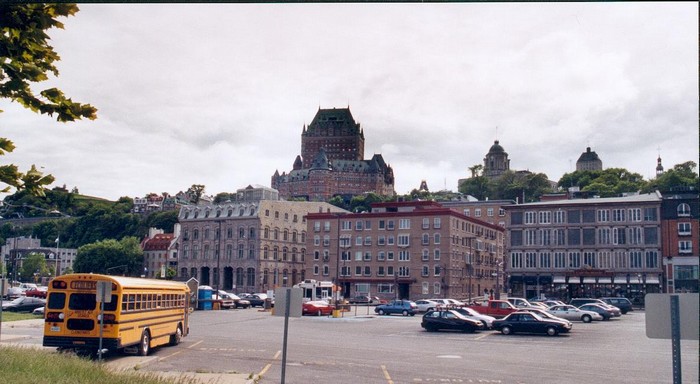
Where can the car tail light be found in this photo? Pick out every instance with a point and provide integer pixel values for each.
(55, 317)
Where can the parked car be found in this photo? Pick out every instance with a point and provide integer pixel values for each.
(519, 302)
(540, 305)
(255, 299)
(486, 319)
(570, 312)
(224, 299)
(427, 305)
(39, 292)
(550, 303)
(545, 314)
(601, 310)
(23, 304)
(528, 322)
(450, 303)
(449, 319)
(621, 302)
(404, 307)
(240, 303)
(318, 308)
(39, 311)
(362, 299)
(579, 301)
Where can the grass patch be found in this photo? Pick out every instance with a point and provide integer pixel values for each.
(31, 366)
(14, 316)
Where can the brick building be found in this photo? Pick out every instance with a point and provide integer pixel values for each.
(413, 250)
(332, 162)
(680, 223)
(159, 251)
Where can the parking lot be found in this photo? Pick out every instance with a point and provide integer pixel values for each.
(363, 348)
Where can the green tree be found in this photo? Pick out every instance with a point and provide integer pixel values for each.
(27, 58)
(164, 220)
(34, 263)
(681, 175)
(478, 186)
(606, 183)
(110, 255)
(195, 192)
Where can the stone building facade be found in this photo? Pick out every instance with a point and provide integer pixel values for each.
(332, 162)
(249, 246)
(585, 247)
(412, 250)
(159, 251)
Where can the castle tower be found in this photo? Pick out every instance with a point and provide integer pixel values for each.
(589, 161)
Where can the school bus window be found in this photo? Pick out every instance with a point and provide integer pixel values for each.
(111, 306)
(82, 302)
(138, 302)
(131, 302)
(57, 300)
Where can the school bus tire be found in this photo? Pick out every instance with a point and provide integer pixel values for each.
(145, 343)
(177, 336)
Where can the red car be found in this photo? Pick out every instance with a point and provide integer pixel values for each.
(36, 292)
(317, 308)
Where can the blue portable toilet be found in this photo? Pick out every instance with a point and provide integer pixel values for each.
(204, 297)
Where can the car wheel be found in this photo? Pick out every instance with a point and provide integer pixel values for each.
(551, 331)
(144, 344)
(412, 314)
(430, 328)
(586, 318)
(405, 312)
(506, 330)
(381, 312)
(177, 337)
(624, 311)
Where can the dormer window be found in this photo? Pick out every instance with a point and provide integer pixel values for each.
(683, 209)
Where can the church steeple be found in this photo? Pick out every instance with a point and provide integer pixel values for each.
(659, 167)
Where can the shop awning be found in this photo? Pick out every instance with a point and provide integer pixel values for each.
(652, 280)
(604, 280)
(559, 279)
(589, 280)
(620, 280)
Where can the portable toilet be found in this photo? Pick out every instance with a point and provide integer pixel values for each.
(204, 298)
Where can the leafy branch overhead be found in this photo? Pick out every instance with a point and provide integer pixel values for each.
(27, 58)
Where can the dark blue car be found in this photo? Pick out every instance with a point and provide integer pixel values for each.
(404, 307)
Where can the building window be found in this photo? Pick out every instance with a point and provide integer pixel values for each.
(426, 223)
(425, 255)
(358, 240)
(530, 217)
(545, 260)
(358, 225)
(326, 240)
(574, 259)
(683, 209)
(516, 260)
(316, 270)
(589, 259)
(545, 217)
(685, 246)
(327, 226)
(381, 224)
(404, 223)
(436, 288)
(436, 238)
(530, 260)
(636, 259)
(368, 256)
(425, 271)
(437, 222)
(467, 212)
(477, 212)
(436, 254)
(489, 212)
(404, 256)
(559, 260)
(437, 270)
(385, 288)
(684, 229)
(603, 215)
(380, 271)
(358, 270)
(368, 240)
(390, 240)
(381, 240)
(358, 255)
(650, 214)
(404, 272)
(390, 255)
(368, 271)
(635, 235)
(618, 215)
(652, 259)
(635, 214)
(381, 256)
(317, 255)
(390, 225)
(425, 288)
(559, 217)
(345, 256)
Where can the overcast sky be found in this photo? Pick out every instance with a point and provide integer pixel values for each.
(218, 94)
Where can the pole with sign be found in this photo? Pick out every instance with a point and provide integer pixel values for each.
(104, 295)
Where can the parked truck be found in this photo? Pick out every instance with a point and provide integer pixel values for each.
(495, 308)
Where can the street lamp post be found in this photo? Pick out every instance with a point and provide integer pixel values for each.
(57, 271)
(337, 261)
(498, 280)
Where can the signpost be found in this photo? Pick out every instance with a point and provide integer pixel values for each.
(675, 317)
(291, 300)
(103, 295)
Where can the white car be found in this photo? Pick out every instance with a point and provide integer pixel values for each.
(486, 319)
(569, 312)
(427, 305)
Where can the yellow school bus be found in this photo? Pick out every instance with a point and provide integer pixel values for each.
(142, 313)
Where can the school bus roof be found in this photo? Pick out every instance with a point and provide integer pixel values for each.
(128, 282)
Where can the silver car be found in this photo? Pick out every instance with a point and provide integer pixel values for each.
(570, 312)
(468, 312)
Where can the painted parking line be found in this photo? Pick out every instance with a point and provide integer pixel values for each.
(386, 375)
(180, 351)
(277, 355)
